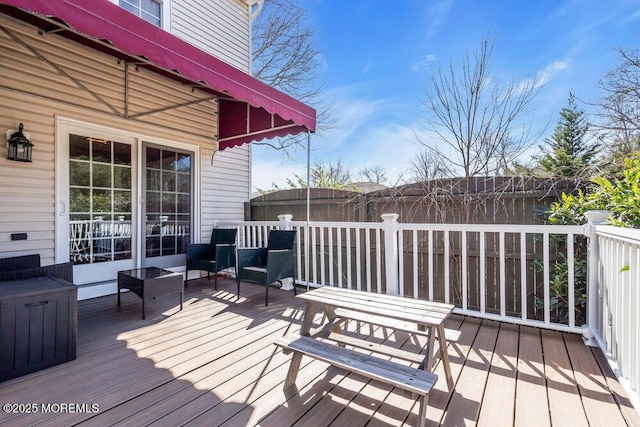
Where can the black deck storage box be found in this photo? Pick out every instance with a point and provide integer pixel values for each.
(38, 324)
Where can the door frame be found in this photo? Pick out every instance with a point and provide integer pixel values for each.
(64, 126)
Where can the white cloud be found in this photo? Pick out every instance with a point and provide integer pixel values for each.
(548, 72)
(437, 15)
(425, 63)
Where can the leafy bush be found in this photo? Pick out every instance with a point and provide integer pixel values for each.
(621, 197)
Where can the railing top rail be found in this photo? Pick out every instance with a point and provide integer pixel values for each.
(248, 223)
(627, 234)
(507, 228)
(338, 224)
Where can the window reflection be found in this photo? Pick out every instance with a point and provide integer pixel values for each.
(168, 202)
(99, 200)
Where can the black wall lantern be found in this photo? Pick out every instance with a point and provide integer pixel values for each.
(19, 146)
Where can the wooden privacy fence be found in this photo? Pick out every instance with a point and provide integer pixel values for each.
(476, 200)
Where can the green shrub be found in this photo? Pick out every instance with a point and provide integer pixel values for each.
(621, 197)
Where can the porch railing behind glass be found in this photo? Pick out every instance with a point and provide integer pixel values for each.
(103, 240)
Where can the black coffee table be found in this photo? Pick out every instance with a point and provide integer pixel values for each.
(151, 282)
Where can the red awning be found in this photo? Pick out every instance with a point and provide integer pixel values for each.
(249, 110)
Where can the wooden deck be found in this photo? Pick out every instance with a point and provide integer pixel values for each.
(214, 364)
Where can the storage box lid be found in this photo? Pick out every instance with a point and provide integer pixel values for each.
(33, 286)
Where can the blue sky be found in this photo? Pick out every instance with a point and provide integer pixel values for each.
(377, 56)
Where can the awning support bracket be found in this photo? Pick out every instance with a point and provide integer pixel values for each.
(60, 71)
(173, 107)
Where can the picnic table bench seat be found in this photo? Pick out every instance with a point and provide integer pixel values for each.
(404, 377)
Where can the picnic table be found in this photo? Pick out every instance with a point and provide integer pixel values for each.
(328, 343)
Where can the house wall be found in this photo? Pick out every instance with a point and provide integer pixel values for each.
(223, 29)
(34, 92)
(220, 28)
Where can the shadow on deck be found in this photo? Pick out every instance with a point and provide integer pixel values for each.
(214, 364)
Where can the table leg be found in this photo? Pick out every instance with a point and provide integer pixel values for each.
(430, 356)
(307, 320)
(445, 356)
(293, 369)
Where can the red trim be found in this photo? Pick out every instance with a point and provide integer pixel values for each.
(100, 20)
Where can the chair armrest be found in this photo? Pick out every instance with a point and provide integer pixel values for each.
(62, 271)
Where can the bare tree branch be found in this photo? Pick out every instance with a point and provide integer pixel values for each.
(374, 173)
(618, 118)
(477, 118)
(427, 166)
(285, 56)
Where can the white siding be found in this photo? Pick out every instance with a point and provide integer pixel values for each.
(226, 184)
(33, 93)
(220, 28)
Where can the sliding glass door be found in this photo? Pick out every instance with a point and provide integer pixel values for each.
(168, 205)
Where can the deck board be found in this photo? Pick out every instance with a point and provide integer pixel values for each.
(599, 404)
(498, 402)
(564, 400)
(214, 363)
(464, 408)
(532, 408)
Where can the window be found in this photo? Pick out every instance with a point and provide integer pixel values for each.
(149, 10)
(100, 194)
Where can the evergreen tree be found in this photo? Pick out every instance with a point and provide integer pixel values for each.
(569, 153)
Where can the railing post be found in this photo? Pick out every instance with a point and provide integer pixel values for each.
(593, 286)
(285, 224)
(390, 230)
(285, 221)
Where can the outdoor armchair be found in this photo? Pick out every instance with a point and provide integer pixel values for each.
(215, 256)
(268, 265)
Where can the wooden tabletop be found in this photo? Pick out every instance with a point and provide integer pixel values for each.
(396, 307)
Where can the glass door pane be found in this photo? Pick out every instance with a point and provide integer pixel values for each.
(100, 197)
(168, 205)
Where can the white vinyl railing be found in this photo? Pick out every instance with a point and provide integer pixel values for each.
(615, 263)
(487, 271)
(503, 272)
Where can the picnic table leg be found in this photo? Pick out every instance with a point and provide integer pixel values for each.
(427, 364)
(445, 356)
(307, 320)
(422, 413)
(293, 369)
